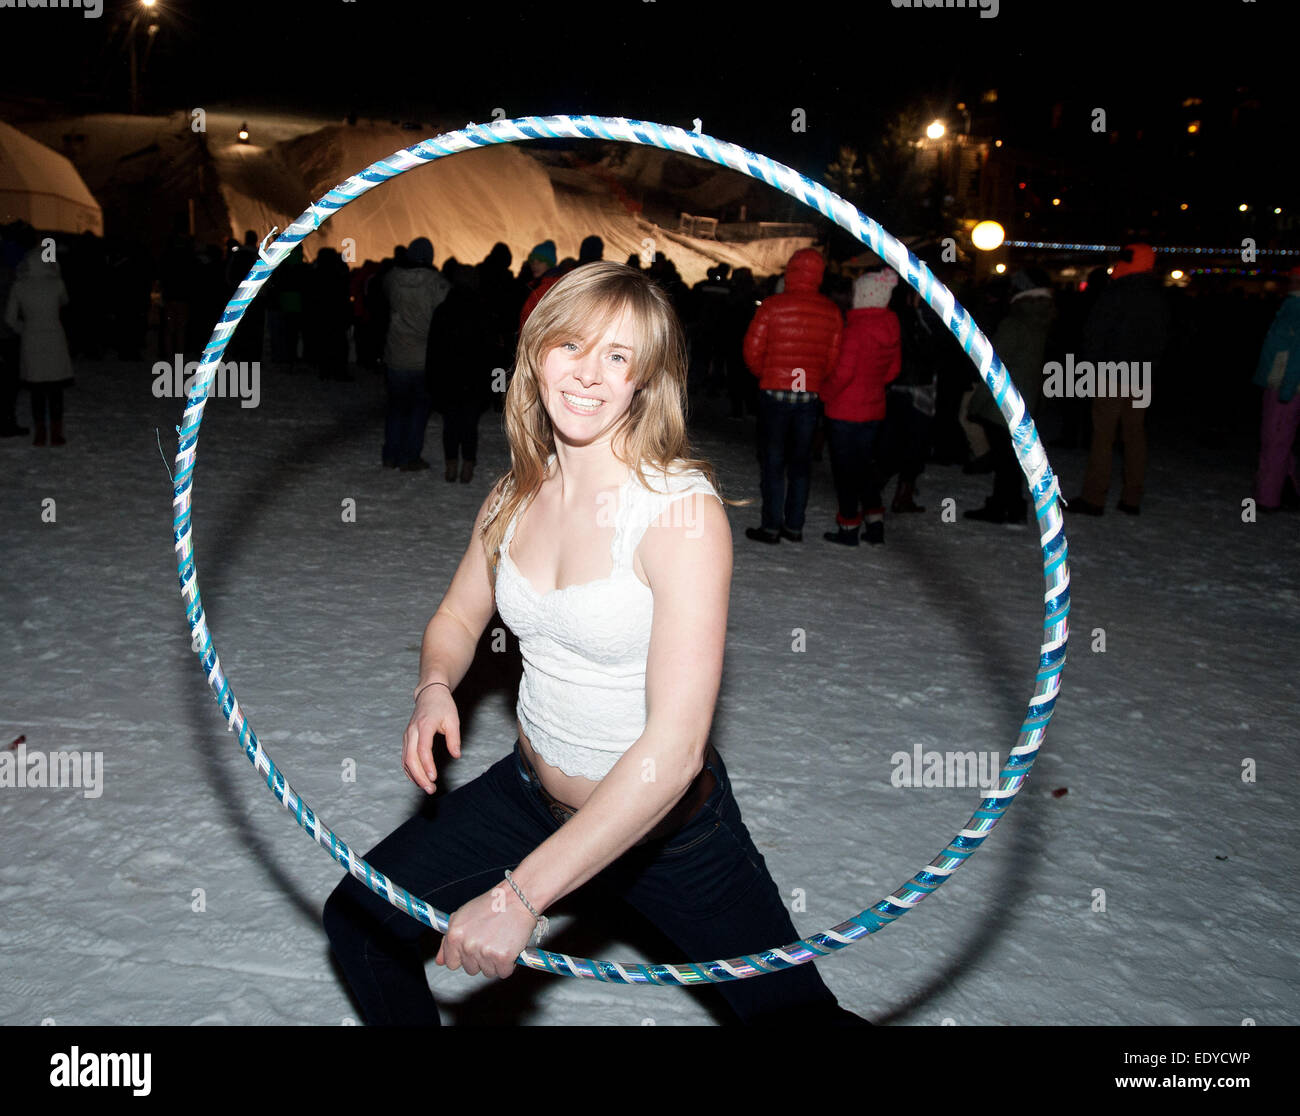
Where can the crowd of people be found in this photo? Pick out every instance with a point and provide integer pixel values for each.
(867, 366)
(857, 365)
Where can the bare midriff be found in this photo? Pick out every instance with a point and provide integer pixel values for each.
(572, 790)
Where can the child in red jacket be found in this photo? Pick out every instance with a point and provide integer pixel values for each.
(854, 395)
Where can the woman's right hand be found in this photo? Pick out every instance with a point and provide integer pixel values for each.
(435, 712)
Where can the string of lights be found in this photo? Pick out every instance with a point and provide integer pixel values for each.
(1055, 245)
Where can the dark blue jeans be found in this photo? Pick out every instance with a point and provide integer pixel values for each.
(460, 431)
(785, 434)
(853, 465)
(706, 887)
(406, 417)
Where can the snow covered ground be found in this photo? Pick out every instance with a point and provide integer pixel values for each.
(930, 639)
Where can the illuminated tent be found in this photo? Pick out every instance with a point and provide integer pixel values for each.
(41, 187)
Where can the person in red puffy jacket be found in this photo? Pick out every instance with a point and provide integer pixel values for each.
(792, 343)
(854, 397)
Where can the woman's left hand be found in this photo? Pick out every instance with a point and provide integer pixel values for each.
(487, 934)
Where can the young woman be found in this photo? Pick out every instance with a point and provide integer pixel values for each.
(608, 553)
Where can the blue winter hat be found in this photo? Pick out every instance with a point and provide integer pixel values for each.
(544, 252)
(420, 252)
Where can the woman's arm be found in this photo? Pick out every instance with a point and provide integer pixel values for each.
(450, 640)
(687, 557)
(688, 562)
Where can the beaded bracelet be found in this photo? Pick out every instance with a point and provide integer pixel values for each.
(543, 922)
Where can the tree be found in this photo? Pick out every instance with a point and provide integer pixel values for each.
(844, 176)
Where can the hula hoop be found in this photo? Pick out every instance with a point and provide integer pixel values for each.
(1043, 486)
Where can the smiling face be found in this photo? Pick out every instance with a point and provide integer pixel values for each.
(587, 385)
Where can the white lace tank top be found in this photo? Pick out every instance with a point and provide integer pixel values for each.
(582, 694)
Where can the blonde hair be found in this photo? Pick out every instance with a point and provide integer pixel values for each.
(652, 433)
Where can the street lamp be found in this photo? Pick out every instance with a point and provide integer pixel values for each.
(143, 7)
(988, 236)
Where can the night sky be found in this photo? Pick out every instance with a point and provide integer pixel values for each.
(742, 68)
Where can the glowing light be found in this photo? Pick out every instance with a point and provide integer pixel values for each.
(1056, 201)
(1242, 207)
(1183, 206)
(1277, 209)
(997, 143)
(1000, 268)
(1061, 246)
(935, 130)
(1193, 127)
(1175, 274)
(988, 235)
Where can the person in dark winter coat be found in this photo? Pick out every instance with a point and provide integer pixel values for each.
(11, 254)
(32, 311)
(178, 282)
(287, 283)
(246, 343)
(1130, 322)
(327, 314)
(1020, 341)
(502, 301)
(854, 397)
(706, 340)
(790, 346)
(541, 261)
(1278, 373)
(910, 402)
(412, 292)
(742, 388)
(461, 359)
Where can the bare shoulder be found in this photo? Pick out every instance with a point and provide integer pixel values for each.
(688, 541)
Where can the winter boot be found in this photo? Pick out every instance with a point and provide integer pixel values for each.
(466, 472)
(56, 434)
(450, 474)
(903, 499)
(847, 536)
(1083, 507)
(874, 532)
(845, 533)
(38, 439)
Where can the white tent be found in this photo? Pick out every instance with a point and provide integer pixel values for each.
(41, 187)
